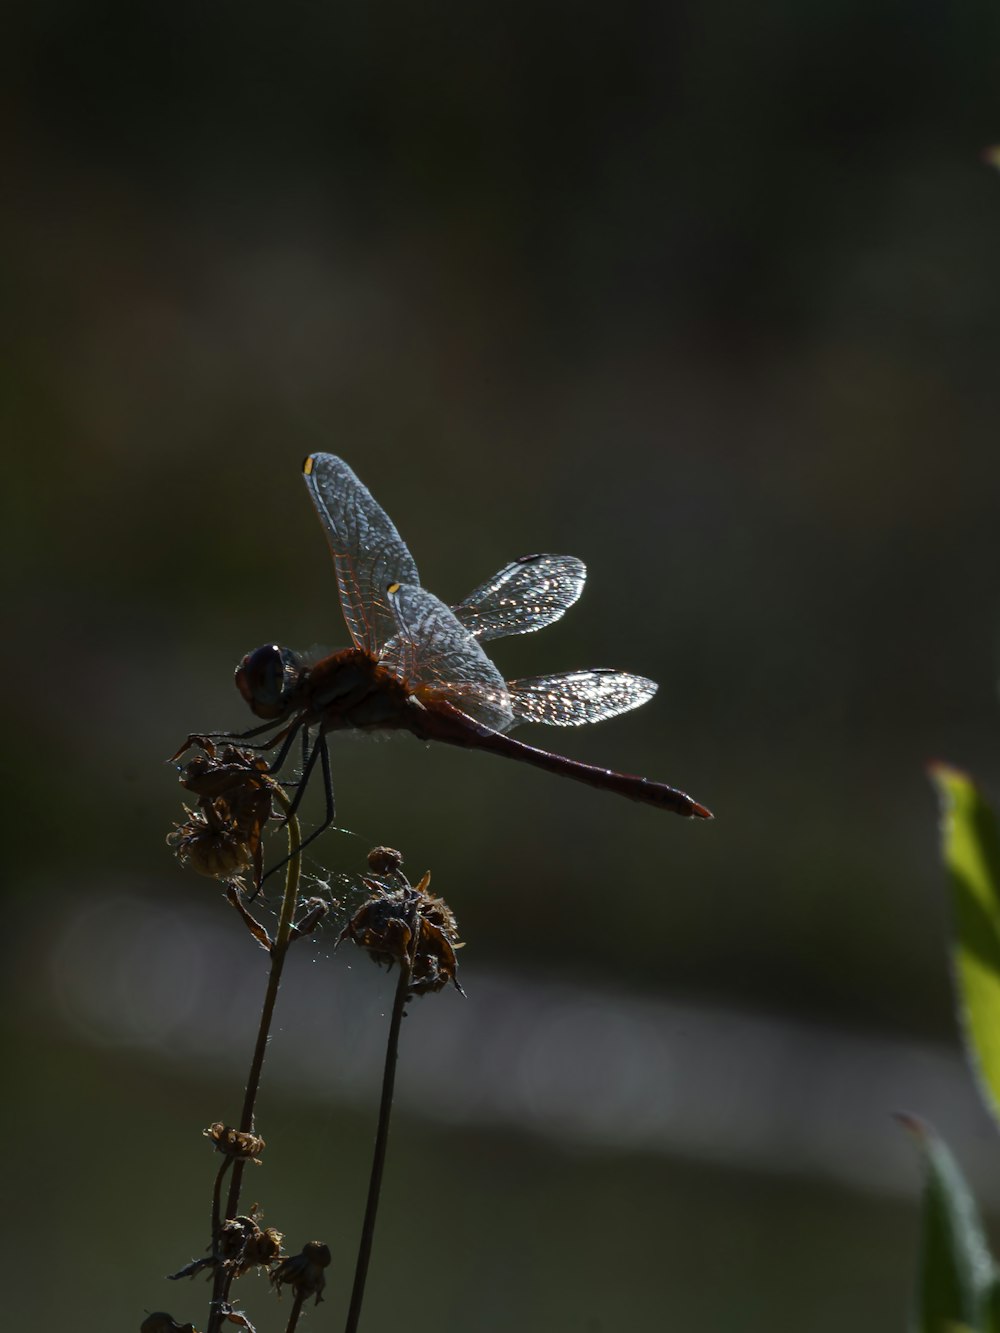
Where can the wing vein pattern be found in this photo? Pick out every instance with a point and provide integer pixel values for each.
(368, 552)
(433, 650)
(523, 597)
(575, 698)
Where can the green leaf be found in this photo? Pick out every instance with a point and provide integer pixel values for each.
(956, 1278)
(971, 851)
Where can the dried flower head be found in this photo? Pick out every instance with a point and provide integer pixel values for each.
(243, 1244)
(408, 926)
(263, 1248)
(221, 837)
(235, 1142)
(210, 844)
(304, 1272)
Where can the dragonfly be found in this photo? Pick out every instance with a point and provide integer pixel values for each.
(418, 665)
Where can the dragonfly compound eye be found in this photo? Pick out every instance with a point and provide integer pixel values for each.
(268, 678)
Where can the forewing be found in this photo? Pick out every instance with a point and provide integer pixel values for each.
(574, 698)
(368, 552)
(524, 596)
(433, 649)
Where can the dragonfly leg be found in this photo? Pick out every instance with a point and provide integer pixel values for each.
(331, 804)
(244, 735)
(265, 745)
(287, 739)
(321, 752)
(299, 781)
(197, 737)
(229, 735)
(309, 758)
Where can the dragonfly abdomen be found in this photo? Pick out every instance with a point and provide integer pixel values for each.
(443, 722)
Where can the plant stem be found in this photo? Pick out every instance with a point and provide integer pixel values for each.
(381, 1142)
(293, 1316)
(223, 1276)
(217, 1202)
(278, 951)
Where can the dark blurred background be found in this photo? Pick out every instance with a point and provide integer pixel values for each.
(706, 294)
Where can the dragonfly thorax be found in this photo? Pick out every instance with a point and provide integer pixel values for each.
(350, 689)
(269, 679)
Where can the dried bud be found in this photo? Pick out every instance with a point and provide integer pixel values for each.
(235, 1142)
(304, 1272)
(384, 860)
(408, 926)
(158, 1322)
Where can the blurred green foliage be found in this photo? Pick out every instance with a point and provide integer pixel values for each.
(957, 1275)
(971, 850)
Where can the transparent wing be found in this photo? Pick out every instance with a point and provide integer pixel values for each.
(368, 552)
(432, 649)
(524, 596)
(574, 698)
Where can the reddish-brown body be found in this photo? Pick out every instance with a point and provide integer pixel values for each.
(350, 689)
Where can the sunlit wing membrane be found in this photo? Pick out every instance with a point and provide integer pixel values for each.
(574, 698)
(485, 703)
(433, 649)
(524, 596)
(368, 552)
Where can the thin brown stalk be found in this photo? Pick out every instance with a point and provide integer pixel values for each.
(282, 939)
(381, 1143)
(293, 1314)
(217, 1202)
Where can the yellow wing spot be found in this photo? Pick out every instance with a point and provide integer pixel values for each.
(308, 465)
(393, 588)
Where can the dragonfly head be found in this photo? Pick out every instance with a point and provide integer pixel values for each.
(268, 679)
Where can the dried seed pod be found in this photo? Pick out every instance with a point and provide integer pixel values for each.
(304, 1272)
(242, 1244)
(408, 925)
(262, 1248)
(222, 837)
(212, 846)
